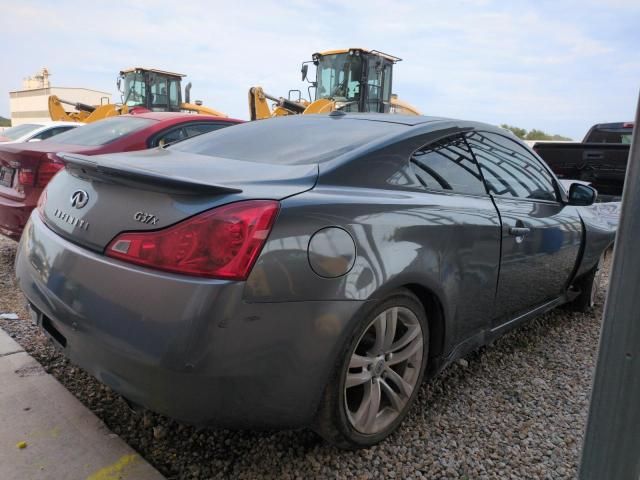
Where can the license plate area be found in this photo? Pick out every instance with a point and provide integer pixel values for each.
(6, 176)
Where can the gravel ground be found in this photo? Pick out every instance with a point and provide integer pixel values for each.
(514, 409)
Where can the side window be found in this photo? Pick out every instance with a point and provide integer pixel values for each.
(170, 136)
(199, 128)
(374, 88)
(58, 130)
(55, 131)
(449, 166)
(509, 169)
(159, 94)
(43, 135)
(174, 93)
(51, 132)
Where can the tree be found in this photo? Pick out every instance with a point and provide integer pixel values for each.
(518, 132)
(536, 134)
(533, 134)
(5, 122)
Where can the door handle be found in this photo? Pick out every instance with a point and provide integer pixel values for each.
(593, 155)
(519, 231)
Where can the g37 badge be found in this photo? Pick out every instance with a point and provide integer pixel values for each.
(145, 218)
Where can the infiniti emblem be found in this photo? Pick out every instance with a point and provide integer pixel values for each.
(79, 198)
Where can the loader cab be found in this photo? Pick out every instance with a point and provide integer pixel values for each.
(152, 90)
(358, 80)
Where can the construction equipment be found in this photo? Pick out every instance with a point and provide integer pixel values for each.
(352, 80)
(85, 113)
(143, 90)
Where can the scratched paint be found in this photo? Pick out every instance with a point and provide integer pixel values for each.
(115, 470)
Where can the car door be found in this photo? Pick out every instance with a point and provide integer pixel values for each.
(468, 237)
(541, 235)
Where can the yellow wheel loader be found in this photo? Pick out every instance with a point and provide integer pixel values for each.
(143, 89)
(352, 80)
(85, 113)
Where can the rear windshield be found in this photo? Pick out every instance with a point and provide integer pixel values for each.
(288, 140)
(103, 131)
(16, 132)
(610, 135)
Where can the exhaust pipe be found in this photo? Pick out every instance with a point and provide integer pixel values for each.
(187, 93)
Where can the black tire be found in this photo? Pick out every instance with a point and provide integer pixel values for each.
(332, 420)
(588, 285)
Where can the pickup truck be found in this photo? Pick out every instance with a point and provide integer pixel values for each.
(600, 159)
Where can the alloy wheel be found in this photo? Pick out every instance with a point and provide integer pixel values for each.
(383, 370)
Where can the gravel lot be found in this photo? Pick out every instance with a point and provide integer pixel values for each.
(514, 409)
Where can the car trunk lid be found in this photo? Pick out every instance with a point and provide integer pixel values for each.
(96, 198)
(18, 170)
(25, 166)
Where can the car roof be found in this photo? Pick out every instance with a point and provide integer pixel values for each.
(61, 124)
(409, 120)
(39, 128)
(317, 138)
(170, 118)
(614, 125)
(160, 116)
(45, 125)
(154, 70)
(423, 123)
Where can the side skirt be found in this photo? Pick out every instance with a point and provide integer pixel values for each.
(484, 337)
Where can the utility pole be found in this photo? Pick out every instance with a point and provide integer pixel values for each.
(611, 449)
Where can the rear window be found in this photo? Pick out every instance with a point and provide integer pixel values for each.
(16, 132)
(611, 135)
(103, 131)
(289, 140)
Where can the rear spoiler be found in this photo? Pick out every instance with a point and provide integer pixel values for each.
(86, 166)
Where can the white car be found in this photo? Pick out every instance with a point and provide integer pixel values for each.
(35, 132)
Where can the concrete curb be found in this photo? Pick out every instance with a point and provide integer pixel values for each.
(64, 440)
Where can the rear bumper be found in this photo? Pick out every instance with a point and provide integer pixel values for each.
(188, 348)
(13, 217)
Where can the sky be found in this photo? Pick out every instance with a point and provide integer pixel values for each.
(559, 66)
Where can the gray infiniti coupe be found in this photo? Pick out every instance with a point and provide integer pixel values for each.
(305, 270)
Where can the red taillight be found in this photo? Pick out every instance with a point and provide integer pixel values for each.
(26, 177)
(43, 175)
(48, 169)
(220, 243)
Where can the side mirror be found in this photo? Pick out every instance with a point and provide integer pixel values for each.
(304, 70)
(583, 195)
(118, 83)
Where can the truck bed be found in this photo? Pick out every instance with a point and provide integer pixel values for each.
(602, 164)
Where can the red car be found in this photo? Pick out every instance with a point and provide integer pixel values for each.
(26, 168)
